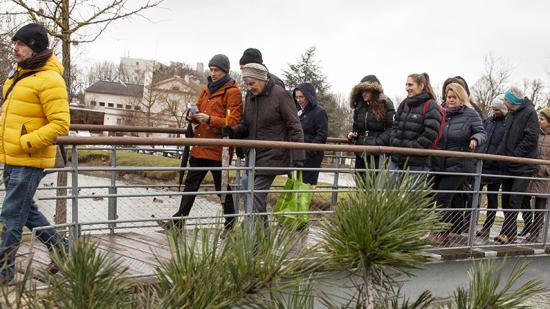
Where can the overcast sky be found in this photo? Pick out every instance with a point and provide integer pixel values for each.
(388, 38)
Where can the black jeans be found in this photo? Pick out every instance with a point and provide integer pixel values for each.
(193, 182)
(445, 200)
(492, 203)
(512, 201)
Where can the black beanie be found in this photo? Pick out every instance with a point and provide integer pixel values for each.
(251, 55)
(220, 61)
(34, 36)
(370, 79)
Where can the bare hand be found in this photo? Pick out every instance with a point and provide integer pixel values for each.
(352, 135)
(473, 144)
(201, 117)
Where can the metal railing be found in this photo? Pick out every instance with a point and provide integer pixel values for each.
(160, 199)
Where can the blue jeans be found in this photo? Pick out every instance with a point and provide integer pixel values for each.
(19, 210)
(412, 168)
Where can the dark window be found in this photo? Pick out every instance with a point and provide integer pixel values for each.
(101, 103)
(111, 104)
(93, 103)
(128, 106)
(137, 108)
(118, 121)
(119, 106)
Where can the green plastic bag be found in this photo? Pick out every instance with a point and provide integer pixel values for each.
(293, 202)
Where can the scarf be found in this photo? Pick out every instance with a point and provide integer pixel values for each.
(214, 86)
(37, 60)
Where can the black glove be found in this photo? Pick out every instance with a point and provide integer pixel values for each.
(240, 152)
(298, 164)
(227, 132)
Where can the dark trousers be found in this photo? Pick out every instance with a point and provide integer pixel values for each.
(512, 201)
(193, 182)
(365, 161)
(313, 160)
(492, 203)
(533, 220)
(445, 200)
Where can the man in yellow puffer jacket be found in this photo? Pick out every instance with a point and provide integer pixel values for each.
(35, 111)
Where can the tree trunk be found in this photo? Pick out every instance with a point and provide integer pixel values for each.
(61, 204)
(367, 300)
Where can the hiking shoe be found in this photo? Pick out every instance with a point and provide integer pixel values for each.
(503, 239)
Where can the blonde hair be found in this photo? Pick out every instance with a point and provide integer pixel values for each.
(460, 93)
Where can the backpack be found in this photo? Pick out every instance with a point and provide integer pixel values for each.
(425, 109)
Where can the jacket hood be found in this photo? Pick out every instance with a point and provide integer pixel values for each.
(358, 90)
(309, 92)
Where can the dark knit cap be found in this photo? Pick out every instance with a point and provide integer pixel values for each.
(34, 36)
(251, 55)
(220, 61)
(370, 79)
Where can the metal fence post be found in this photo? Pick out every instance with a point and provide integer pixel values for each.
(238, 185)
(249, 207)
(75, 233)
(546, 216)
(334, 198)
(475, 204)
(112, 208)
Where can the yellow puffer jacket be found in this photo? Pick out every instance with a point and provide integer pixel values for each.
(35, 112)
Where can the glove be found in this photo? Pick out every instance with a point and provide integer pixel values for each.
(227, 132)
(240, 152)
(298, 164)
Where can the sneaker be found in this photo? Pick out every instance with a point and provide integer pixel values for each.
(53, 268)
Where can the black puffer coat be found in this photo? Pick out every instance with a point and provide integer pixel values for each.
(414, 129)
(520, 139)
(461, 126)
(494, 129)
(314, 122)
(371, 131)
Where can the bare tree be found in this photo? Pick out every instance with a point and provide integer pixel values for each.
(75, 21)
(176, 104)
(534, 90)
(491, 84)
(102, 71)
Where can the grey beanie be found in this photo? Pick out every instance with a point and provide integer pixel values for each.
(498, 103)
(221, 61)
(254, 70)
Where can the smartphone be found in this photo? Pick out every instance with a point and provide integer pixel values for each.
(193, 108)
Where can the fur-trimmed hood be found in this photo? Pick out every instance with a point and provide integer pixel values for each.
(358, 90)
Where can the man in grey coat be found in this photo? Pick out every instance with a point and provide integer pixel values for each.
(269, 115)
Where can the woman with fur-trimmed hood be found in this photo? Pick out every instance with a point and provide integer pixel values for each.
(373, 114)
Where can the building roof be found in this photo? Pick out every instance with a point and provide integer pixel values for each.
(116, 88)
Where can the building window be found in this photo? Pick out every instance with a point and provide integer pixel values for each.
(119, 106)
(93, 103)
(118, 121)
(101, 103)
(110, 104)
(137, 63)
(128, 106)
(137, 108)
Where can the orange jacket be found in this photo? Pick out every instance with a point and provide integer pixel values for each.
(216, 105)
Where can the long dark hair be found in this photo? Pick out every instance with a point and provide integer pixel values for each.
(376, 105)
(424, 79)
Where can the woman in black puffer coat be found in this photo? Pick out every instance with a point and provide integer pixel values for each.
(463, 131)
(416, 123)
(373, 114)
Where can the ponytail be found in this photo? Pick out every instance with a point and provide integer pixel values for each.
(424, 79)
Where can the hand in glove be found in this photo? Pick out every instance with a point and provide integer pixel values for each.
(227, 132)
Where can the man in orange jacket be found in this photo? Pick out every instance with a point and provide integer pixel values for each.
(219, 96)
